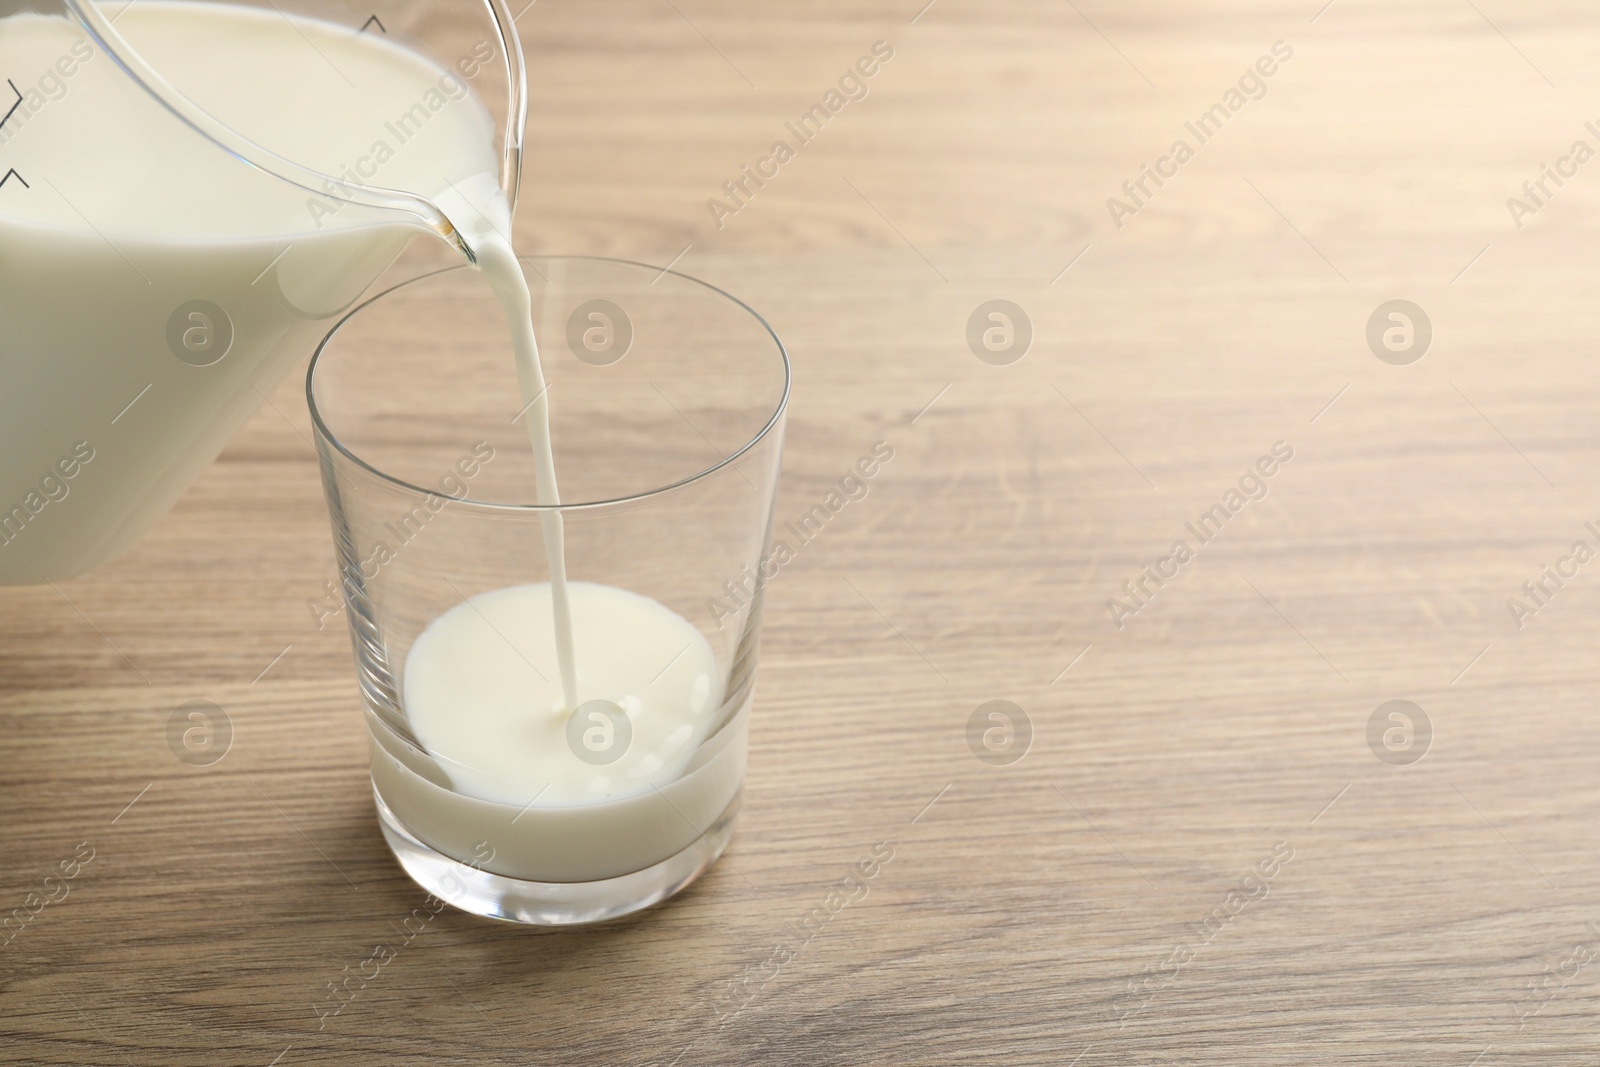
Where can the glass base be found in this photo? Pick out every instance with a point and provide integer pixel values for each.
(497, 896)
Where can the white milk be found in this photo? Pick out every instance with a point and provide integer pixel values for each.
(129, 217)
(483, 697)
(565, 843)
(498, 262)
(503, 774)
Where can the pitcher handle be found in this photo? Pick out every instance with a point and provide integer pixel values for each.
(516, 101)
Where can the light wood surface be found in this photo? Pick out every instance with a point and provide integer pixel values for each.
(1230, 715)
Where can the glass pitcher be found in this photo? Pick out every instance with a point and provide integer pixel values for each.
(190, 190)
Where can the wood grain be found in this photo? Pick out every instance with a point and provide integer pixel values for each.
(1025, 905)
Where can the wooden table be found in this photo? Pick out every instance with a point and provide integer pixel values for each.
(1106, 898)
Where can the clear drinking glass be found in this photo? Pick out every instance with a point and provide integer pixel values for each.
(667, 400)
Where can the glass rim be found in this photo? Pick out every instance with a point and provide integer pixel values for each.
(327, 436)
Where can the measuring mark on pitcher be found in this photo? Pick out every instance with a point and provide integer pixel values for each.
(369, 22)
(12, 173)
(132, 402)
(14, 107)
